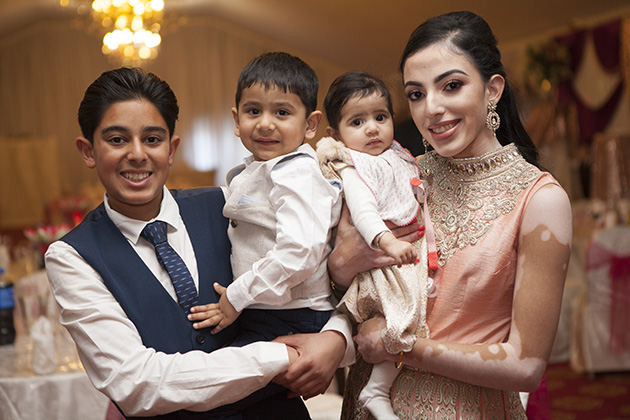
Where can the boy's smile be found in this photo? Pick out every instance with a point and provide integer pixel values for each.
(132, 154)
(272, 122)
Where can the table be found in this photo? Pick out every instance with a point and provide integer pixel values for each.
(65, 394)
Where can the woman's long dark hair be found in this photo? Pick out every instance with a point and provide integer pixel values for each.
(471, 36)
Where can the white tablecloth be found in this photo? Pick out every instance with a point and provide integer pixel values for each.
(65, 394)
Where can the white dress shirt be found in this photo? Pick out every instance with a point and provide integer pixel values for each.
(141, 380)
(305, 208)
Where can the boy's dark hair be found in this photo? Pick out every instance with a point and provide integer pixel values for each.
(125, 84)
(349, 85)
(285, 71)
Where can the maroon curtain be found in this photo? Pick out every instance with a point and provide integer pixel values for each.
(606, 39)
(608, 45)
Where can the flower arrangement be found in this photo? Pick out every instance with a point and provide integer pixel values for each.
(44, 235)
(72, 208)
(548, 64)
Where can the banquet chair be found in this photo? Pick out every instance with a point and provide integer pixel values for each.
(601, 323)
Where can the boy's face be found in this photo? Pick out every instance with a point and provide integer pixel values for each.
(366, 124)
(132, 153)
(271, 122)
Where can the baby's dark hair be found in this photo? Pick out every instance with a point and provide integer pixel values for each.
(125, 84)
(284, 71)
(349, 85)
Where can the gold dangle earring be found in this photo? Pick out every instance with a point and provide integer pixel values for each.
(493, 121)
(425, 143)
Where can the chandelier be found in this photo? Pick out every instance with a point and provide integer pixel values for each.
(131, 27)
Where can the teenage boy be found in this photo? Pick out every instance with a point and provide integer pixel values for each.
(114, 280)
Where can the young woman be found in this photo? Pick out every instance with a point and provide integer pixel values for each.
(503, 232)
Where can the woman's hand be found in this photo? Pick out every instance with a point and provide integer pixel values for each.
(370, 343)
(352, 254)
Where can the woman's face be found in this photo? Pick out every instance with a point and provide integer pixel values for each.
(448, 101)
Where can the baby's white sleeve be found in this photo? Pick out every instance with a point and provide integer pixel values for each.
(362, 205)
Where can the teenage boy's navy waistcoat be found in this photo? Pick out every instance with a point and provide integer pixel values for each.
(161, 322)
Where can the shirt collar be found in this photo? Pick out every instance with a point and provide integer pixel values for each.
(131, 228)
(304, 148)
(248, 160)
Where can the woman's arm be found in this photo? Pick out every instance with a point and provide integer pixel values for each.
(519, 363)
(352, 255)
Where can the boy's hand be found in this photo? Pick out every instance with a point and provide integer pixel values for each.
(221, 314)
(401, 251)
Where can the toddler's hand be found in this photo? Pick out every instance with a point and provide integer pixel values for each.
(221, 314)
(207, 314)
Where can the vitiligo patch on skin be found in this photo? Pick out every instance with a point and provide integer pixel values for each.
(486, 352)
(340, 261)
(541, 259)
(494, 348)
(544, 262)
(492, 352)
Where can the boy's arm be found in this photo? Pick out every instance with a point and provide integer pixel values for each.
(303, 202)
(140, 380)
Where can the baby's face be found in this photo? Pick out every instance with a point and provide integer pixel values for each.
(366, 124)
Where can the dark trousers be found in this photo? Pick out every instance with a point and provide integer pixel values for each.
(271, 402)
(266, 324)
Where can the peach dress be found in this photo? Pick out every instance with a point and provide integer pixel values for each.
(476, 206)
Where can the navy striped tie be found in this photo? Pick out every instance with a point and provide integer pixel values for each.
(185, 288)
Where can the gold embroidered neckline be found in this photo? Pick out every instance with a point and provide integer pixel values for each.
(476, 168)
(466, 196)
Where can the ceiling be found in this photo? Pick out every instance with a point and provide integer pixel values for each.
(367, 34)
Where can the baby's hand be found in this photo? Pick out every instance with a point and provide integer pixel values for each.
(401, 251)
(221, 314)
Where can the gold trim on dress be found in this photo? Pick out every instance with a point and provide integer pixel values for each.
(466, 196)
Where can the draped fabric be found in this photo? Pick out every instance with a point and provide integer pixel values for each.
(619, 274)
(607, 42)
